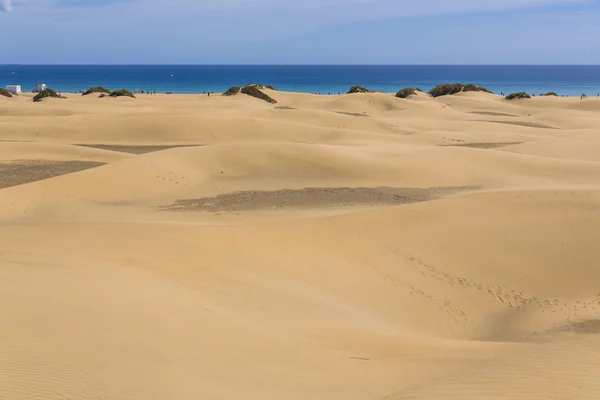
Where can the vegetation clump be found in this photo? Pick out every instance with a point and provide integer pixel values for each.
(406, 93)
(254, 91)
(474, 88)
(122, 93)
(520, 95)
(47, 93)
(358, 89)
(446, 89)
(232, 91)
(454, 88)
(270, 87)
(96, 89)
(6, 93)
(550, 94)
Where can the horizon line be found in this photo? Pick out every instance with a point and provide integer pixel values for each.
(318, 65)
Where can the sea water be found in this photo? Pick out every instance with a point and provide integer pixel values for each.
(324, 79)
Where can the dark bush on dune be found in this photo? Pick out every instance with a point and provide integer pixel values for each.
(232, 91)
(5, 93)
(254, 91)
(520, 95)
(358, 89)
(550, 94)
(47, 93)
(96, 89)
(122, 93)
(474, 88)
(454, 88)
(446, 89)
(405, 93)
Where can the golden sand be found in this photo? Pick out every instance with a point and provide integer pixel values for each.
(355, 247)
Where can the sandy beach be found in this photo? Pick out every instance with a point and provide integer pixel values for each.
(351, 247)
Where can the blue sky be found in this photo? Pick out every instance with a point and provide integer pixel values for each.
(300, 31)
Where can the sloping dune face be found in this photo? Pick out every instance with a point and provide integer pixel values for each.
(329, 247)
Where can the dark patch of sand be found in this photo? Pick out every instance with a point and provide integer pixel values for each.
(135, 149)
(352, 114)
(26, 171)
(312, 198)
(284, 108)
(493, 145)
(493, 114)
(586, 327)
(524, 123)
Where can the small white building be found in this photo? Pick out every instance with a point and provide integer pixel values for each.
(38, 87)
(14, 89)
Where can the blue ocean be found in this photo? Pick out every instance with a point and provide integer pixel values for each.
(565, 80)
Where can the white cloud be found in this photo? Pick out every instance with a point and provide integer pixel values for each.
(317, 9)
(389, 8)
(7, 5)
(255, 19)
(189, 30)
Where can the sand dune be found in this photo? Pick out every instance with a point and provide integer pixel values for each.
(327, 247)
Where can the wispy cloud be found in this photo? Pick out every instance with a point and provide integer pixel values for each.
(91, 3)
(339, 9)
(7, 5)
(255, 19)
(158, 31)
(364, 8)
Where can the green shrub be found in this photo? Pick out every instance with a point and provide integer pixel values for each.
(232, 91)
(550, 94)
(122, 93)
(47, 93)
(270, 87)
(446, 89)
(474, 88)
(405, 93)
(6, 93)
(254, 91)
(520, 95)
(453, 88)
(96, 89)
(358, 89)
